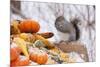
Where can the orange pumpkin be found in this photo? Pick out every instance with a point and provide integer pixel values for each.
(13, 54)
(20, 61)
(18, 49)
(38, 56)
(29, 26)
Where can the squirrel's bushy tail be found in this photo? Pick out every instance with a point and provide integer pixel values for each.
(74, 23)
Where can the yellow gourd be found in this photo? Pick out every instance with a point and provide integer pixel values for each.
(55, 50)
(21, 43)
(14, 27)
(27, 37)
(45, 41)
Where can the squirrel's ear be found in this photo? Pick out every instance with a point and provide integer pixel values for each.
(75, 19)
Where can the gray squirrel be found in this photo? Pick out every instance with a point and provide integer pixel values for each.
(72, 44)
(71, 28)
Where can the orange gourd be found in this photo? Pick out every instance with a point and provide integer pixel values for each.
(13, 54)
(29, 26)
(17, 48)
(38, 56)
(20, 61)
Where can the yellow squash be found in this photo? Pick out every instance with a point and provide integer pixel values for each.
(21, 43)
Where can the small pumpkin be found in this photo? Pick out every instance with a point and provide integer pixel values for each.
(13, 54)
(29, 26)
(18, 49)
(38, 56)
(20, 61)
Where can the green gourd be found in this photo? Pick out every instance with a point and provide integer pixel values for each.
(39, 43)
